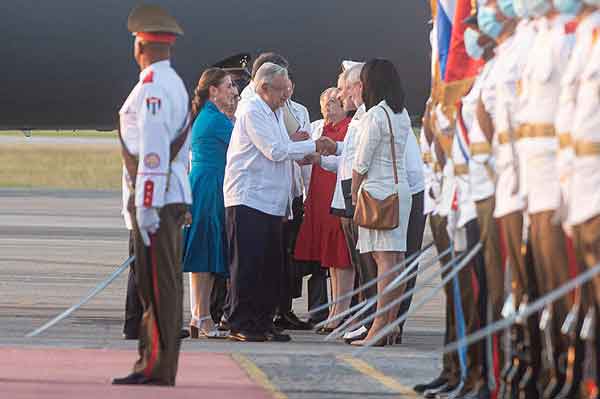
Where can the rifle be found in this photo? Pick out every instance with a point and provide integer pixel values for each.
(548, 363)
(507, 337)
(534, 307)
(588, 335)
(570, 328)
(526, 386)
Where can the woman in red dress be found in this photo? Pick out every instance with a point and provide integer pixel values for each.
(321, 238)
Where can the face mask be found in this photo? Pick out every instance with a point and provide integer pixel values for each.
(538, 8)
(570, 7)
(507, 8)
(489, 25)
(520, 9)
(593, 3)
(474, 50)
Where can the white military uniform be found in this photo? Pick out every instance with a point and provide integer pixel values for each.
(481, 163)
(540, 102)
(153, 115)
(575, 112)
(429, 178)
(511, 56)
(465, 210)
(584, 198)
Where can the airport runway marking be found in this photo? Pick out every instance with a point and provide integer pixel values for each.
(257, 375)
(365, 368)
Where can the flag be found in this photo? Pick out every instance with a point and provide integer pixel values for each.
(444, 27)
(458, 69)
(459, 65)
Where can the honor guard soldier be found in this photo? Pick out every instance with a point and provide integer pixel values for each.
(538, 147)
(580, 146)
(153, 131)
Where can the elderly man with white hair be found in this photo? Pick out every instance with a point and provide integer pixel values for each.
(258, 180)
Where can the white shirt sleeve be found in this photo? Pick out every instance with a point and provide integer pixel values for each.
(275, 147)
(330, 163)
(154, 153)
(369, 139)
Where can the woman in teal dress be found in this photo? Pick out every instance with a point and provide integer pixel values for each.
(204, 250)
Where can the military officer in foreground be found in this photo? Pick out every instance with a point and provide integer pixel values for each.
(153, 132)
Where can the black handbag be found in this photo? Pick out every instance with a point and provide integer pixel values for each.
(347, 194)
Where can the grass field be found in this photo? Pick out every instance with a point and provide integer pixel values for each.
(75, 166)
(86, 167)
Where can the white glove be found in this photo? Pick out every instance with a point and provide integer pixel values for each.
(148, 222)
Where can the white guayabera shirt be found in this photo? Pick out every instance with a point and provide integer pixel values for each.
(258, 172)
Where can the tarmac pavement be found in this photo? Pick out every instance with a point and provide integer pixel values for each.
(55, 246)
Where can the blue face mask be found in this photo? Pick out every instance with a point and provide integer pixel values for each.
(570, 7)
(474, 50)
(489, 25)
(520, 9)
(538, 8)
(507, 8)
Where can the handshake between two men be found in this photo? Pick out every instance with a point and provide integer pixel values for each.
(325, 146)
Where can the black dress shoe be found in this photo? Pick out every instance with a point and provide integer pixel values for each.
(130, 336)
(184, 334)
(275, 336)
(282, 322)
(244, 336)
(438, 382)
(295, 322)
(444, 389)
(137, 379)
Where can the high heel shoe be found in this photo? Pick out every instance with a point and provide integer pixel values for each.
(393, 337)
(389, 339)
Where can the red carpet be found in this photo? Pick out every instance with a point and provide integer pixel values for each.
(82, 373)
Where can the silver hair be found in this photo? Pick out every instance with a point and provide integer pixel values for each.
(352, 74)
(267, 72)
(326, 92)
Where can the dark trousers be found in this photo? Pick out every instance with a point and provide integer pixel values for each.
(218, 298)
(317, 292)
(160, 287)
(363, 264)
(133, 306)
(291, 280)
(414, 242)
(490, 238)
(478, 266)
(450, 362)
(551, 269)
(255, 259)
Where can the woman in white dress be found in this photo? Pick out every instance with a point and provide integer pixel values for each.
(373, 171)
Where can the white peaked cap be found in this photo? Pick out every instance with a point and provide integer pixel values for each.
(347, 64)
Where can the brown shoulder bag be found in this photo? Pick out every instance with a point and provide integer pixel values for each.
(372, 213)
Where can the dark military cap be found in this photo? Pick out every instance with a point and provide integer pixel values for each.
(148, 18)
(237, 67)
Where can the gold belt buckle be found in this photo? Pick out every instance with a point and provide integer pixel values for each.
(587, 148)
